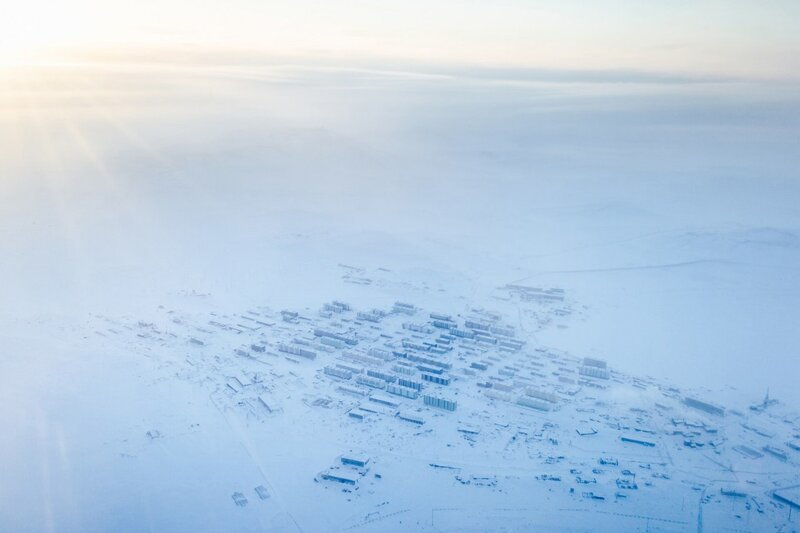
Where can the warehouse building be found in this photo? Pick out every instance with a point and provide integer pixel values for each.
(339, 477)
(637, 440)
(356, 460)
(709, 408)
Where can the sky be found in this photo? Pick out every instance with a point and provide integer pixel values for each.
(750, 39)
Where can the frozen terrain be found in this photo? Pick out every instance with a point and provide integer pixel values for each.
(156, 219)
(381, 419)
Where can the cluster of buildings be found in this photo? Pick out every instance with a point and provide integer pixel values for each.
(474, 382)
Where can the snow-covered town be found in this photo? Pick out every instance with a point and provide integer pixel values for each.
(451, 419)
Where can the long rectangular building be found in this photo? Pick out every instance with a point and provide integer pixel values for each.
(709, 408)
(441, 403)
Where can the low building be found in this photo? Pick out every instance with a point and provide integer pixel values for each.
(637, 440)
(357, 460)
(411, 417)
(338, 476)
(708, 407)
(789, 495)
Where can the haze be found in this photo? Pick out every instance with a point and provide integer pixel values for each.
(642, 156)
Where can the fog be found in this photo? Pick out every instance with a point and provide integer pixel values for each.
(123, 183)
(666, 206)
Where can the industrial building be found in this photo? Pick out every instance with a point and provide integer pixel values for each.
(637, 440)
(339, 477)
(708, 407)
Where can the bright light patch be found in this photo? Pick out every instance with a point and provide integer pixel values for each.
(37, 31)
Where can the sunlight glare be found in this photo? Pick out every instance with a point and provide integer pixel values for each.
(30, 32)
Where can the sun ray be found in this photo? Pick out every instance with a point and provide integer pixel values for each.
(99, 103)
(51, 175)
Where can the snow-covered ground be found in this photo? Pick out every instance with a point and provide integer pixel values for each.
(130, 196)
(198, 419)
